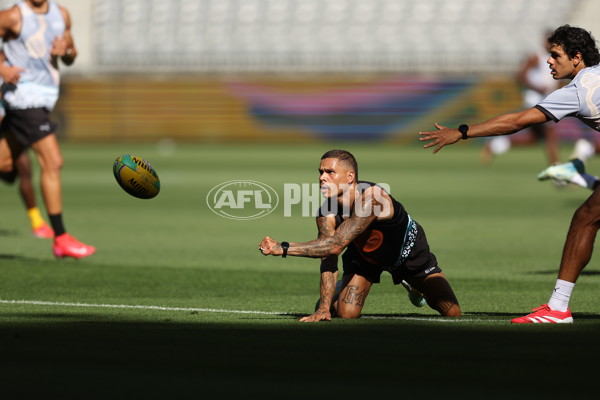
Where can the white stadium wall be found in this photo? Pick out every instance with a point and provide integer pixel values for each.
(218, 70)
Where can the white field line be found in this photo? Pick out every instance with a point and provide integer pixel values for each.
(137, 307)
(216, 310)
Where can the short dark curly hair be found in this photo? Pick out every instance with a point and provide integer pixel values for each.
(576, 40)
(345, 157)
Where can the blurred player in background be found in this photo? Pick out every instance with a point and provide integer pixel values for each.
(36, 34)
(39, 227)
(377, 235)
(573, 55)
(534, 76)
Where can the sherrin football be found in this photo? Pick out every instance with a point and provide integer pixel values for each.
(136, 176)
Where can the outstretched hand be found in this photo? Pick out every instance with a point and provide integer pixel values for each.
(440, 138)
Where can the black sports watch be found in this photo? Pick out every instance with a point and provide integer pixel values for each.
(284, 246)
(463, 129)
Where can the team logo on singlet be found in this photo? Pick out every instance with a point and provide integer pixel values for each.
(370, 240)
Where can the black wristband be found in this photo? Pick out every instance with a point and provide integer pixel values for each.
(284, 246)
(463, 129)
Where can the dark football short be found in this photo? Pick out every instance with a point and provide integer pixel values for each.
(420, 263)
(27, 126)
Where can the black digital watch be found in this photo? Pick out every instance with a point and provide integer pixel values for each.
(463, 129)
(284, 246)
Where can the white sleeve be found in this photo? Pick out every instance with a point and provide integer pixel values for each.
(561, 103)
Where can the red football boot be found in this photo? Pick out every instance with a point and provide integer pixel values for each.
(545, 315)
(66, 245)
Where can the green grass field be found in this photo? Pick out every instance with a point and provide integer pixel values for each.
(178, 303)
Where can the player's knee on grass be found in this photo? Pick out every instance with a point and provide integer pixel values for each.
(445, 303)
(347, 311)
(348, 304)
(446, 307)
(439, 294)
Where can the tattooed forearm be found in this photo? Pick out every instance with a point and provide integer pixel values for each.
(332, 245)
(328, 281)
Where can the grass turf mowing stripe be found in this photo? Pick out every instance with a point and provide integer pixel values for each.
(215, 310)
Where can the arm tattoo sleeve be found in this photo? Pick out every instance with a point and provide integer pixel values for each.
(332, 245)
(326, 227)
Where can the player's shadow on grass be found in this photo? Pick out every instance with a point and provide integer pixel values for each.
(578, 316)
(11, 257)
(428, 317)
(489, 314)
(414, 316)
(8, 232)
(554, 272)
(29, 260)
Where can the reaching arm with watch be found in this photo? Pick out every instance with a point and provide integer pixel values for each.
(323, 246)
(505, 124)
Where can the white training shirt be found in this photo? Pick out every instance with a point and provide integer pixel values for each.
(580, 99)
(38, 85)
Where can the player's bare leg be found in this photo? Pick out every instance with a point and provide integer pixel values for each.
(577, 252)
(51, 161)
(579, 245)
(551, 140)
(352, 297)
(39, 227)
(9, 149)
(23, 165)
(438, 293)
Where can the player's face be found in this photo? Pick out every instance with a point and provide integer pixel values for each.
(334, 177)
(561, 65)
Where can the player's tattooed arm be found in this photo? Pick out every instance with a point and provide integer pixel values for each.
(324, 312)
(323, 246)
(333, 245)
(326, 226)
(366, 211)
(329, 273)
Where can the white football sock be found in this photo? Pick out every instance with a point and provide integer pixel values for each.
(559, 301)
(579, 179)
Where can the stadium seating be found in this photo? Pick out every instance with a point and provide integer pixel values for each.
(322, 35)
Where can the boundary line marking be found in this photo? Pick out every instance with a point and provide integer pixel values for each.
(217, 310)
(137, 307)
